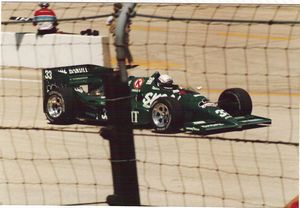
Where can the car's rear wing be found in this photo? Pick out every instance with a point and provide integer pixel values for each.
(72, 76)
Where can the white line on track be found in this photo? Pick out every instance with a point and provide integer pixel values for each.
(20, 80)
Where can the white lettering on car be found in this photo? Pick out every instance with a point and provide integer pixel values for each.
(150, 98)
(48, 74)
(62, 71)
(223, 113)
(213, 125)
(78, 70)
(150, 80)
(134, 116)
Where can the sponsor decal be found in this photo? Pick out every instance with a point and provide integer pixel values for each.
(150, 80)
(212, 125)
(155, 88)
(150, 97)
(78, 70)
(135, 90)
(199, 122)
(138, 83)
(192, 129)
(63, 71)
(78, 78)
(223, 113)
(134, 116)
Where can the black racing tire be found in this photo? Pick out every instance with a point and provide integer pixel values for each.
(236, 102)
(59, 105)
(166, 115)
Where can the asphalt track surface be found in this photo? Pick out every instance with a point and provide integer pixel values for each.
(69, 164)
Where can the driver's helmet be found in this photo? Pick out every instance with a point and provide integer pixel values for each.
(164, 80)
(44, 4)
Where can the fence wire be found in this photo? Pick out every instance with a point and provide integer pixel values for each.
(255, 47)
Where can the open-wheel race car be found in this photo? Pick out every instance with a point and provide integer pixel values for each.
(77, 93)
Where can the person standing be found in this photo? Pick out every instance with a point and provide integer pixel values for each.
(112, 23)
(45, 20)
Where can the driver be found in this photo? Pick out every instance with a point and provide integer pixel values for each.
(165, 81)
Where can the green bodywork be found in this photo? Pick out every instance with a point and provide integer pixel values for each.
(200, 115)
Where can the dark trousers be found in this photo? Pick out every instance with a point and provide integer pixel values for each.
(44, 32)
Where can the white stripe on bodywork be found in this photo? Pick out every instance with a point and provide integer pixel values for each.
(251, 120)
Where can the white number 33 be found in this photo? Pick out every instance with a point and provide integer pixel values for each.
(48, 74)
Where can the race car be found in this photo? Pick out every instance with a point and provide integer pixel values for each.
(77, 93)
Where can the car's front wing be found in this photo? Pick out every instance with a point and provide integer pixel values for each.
(235, 124)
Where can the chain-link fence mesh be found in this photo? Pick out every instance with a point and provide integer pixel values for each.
(255, 47)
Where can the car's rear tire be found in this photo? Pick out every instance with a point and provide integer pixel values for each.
(59, 106)
(236, 102)
(166, 115)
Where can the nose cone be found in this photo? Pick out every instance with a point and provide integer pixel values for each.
(222, 116)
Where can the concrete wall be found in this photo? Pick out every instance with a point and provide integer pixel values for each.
(53, 50)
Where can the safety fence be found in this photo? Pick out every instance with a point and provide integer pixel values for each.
(255, 47)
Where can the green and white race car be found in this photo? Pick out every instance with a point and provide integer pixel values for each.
(77, 92)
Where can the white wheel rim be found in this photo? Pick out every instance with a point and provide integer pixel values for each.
(161, 115)
(55, 106)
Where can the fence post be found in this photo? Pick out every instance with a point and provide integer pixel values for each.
(119, 131)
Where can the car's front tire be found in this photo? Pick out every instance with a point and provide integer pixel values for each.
(236, 102)
(166, 115)
(59, 106)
